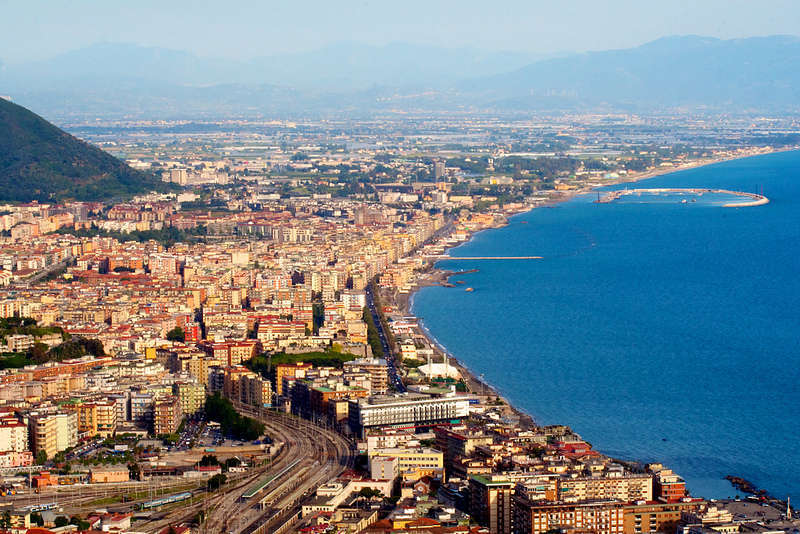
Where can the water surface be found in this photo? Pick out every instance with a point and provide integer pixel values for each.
(660, 331)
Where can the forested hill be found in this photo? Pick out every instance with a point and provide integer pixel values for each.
(39, 161)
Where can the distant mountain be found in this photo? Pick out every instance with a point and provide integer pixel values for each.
(40, 162)
(342, 66)
(758, 73)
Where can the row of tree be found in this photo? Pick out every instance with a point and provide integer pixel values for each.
(220, 409)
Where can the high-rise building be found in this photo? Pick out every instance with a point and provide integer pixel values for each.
(490, 502)
(167, 415)
(52, 432)
(192, 396)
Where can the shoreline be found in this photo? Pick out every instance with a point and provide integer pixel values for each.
(403, 302)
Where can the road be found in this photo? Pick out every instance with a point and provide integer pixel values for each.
(394, 376)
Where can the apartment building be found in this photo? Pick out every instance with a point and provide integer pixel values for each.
(52, 432)
(490, 502)
(378, 371)
(539, 517)
(192, 396)
(167, 415)
(255, 390)
(13, 435)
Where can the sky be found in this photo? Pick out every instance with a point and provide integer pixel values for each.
(40, 29)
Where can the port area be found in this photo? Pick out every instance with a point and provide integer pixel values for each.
(743, 199)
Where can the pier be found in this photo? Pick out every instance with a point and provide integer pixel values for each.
(754, 199)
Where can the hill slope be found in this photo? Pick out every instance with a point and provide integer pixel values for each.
(39, 161)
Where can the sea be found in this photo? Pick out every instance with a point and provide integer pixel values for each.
(659, 330)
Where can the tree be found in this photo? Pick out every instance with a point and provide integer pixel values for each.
(216, 482)
(209, 459)
(41, 457)
(176, 334)
(38, 353)
(5, 519)
(37, 519)
(61, 521)
(232, 462)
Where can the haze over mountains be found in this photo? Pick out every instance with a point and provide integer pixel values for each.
(758, 74)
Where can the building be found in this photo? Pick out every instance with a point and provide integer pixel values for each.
(96, 418)
(539, 517)
(378, 371)
(413, 463)
(141, 409)
(52, 432)
(459, 443)
(289, 370)
(13, 435)
(109, 474)
(406, 410)
(668, 486)
(630, 487)
(167, 415)
(383, 467)
(490, 502)
(255, 390)
(643, 517)
(192, 396)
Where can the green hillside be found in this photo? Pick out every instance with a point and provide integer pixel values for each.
(39, 161)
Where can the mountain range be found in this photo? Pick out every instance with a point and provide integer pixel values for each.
(753, 74)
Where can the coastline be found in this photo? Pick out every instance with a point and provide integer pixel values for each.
(403, 302)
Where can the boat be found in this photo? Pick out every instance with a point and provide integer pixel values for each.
(469, 289)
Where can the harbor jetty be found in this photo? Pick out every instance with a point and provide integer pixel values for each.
(751, 199)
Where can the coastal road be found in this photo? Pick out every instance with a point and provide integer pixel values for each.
(394, 376)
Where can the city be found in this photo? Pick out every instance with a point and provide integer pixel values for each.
(425, 270)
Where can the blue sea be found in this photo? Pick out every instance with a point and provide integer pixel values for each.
(658, 330)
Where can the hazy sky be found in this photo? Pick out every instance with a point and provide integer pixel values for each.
(36, 29)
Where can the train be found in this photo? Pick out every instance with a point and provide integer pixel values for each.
(178, 497)
(41, 507)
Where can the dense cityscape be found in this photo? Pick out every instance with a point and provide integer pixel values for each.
(235, 352)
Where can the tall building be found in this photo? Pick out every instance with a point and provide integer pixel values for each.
(97, 418)
(141, 409)
(167, 415)
(52, 432)
(378, 371)
(289, 370)
(490, 502)
(255, 391)
(438, 170)
(192, 396)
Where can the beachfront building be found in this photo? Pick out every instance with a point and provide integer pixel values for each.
(406, 410)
